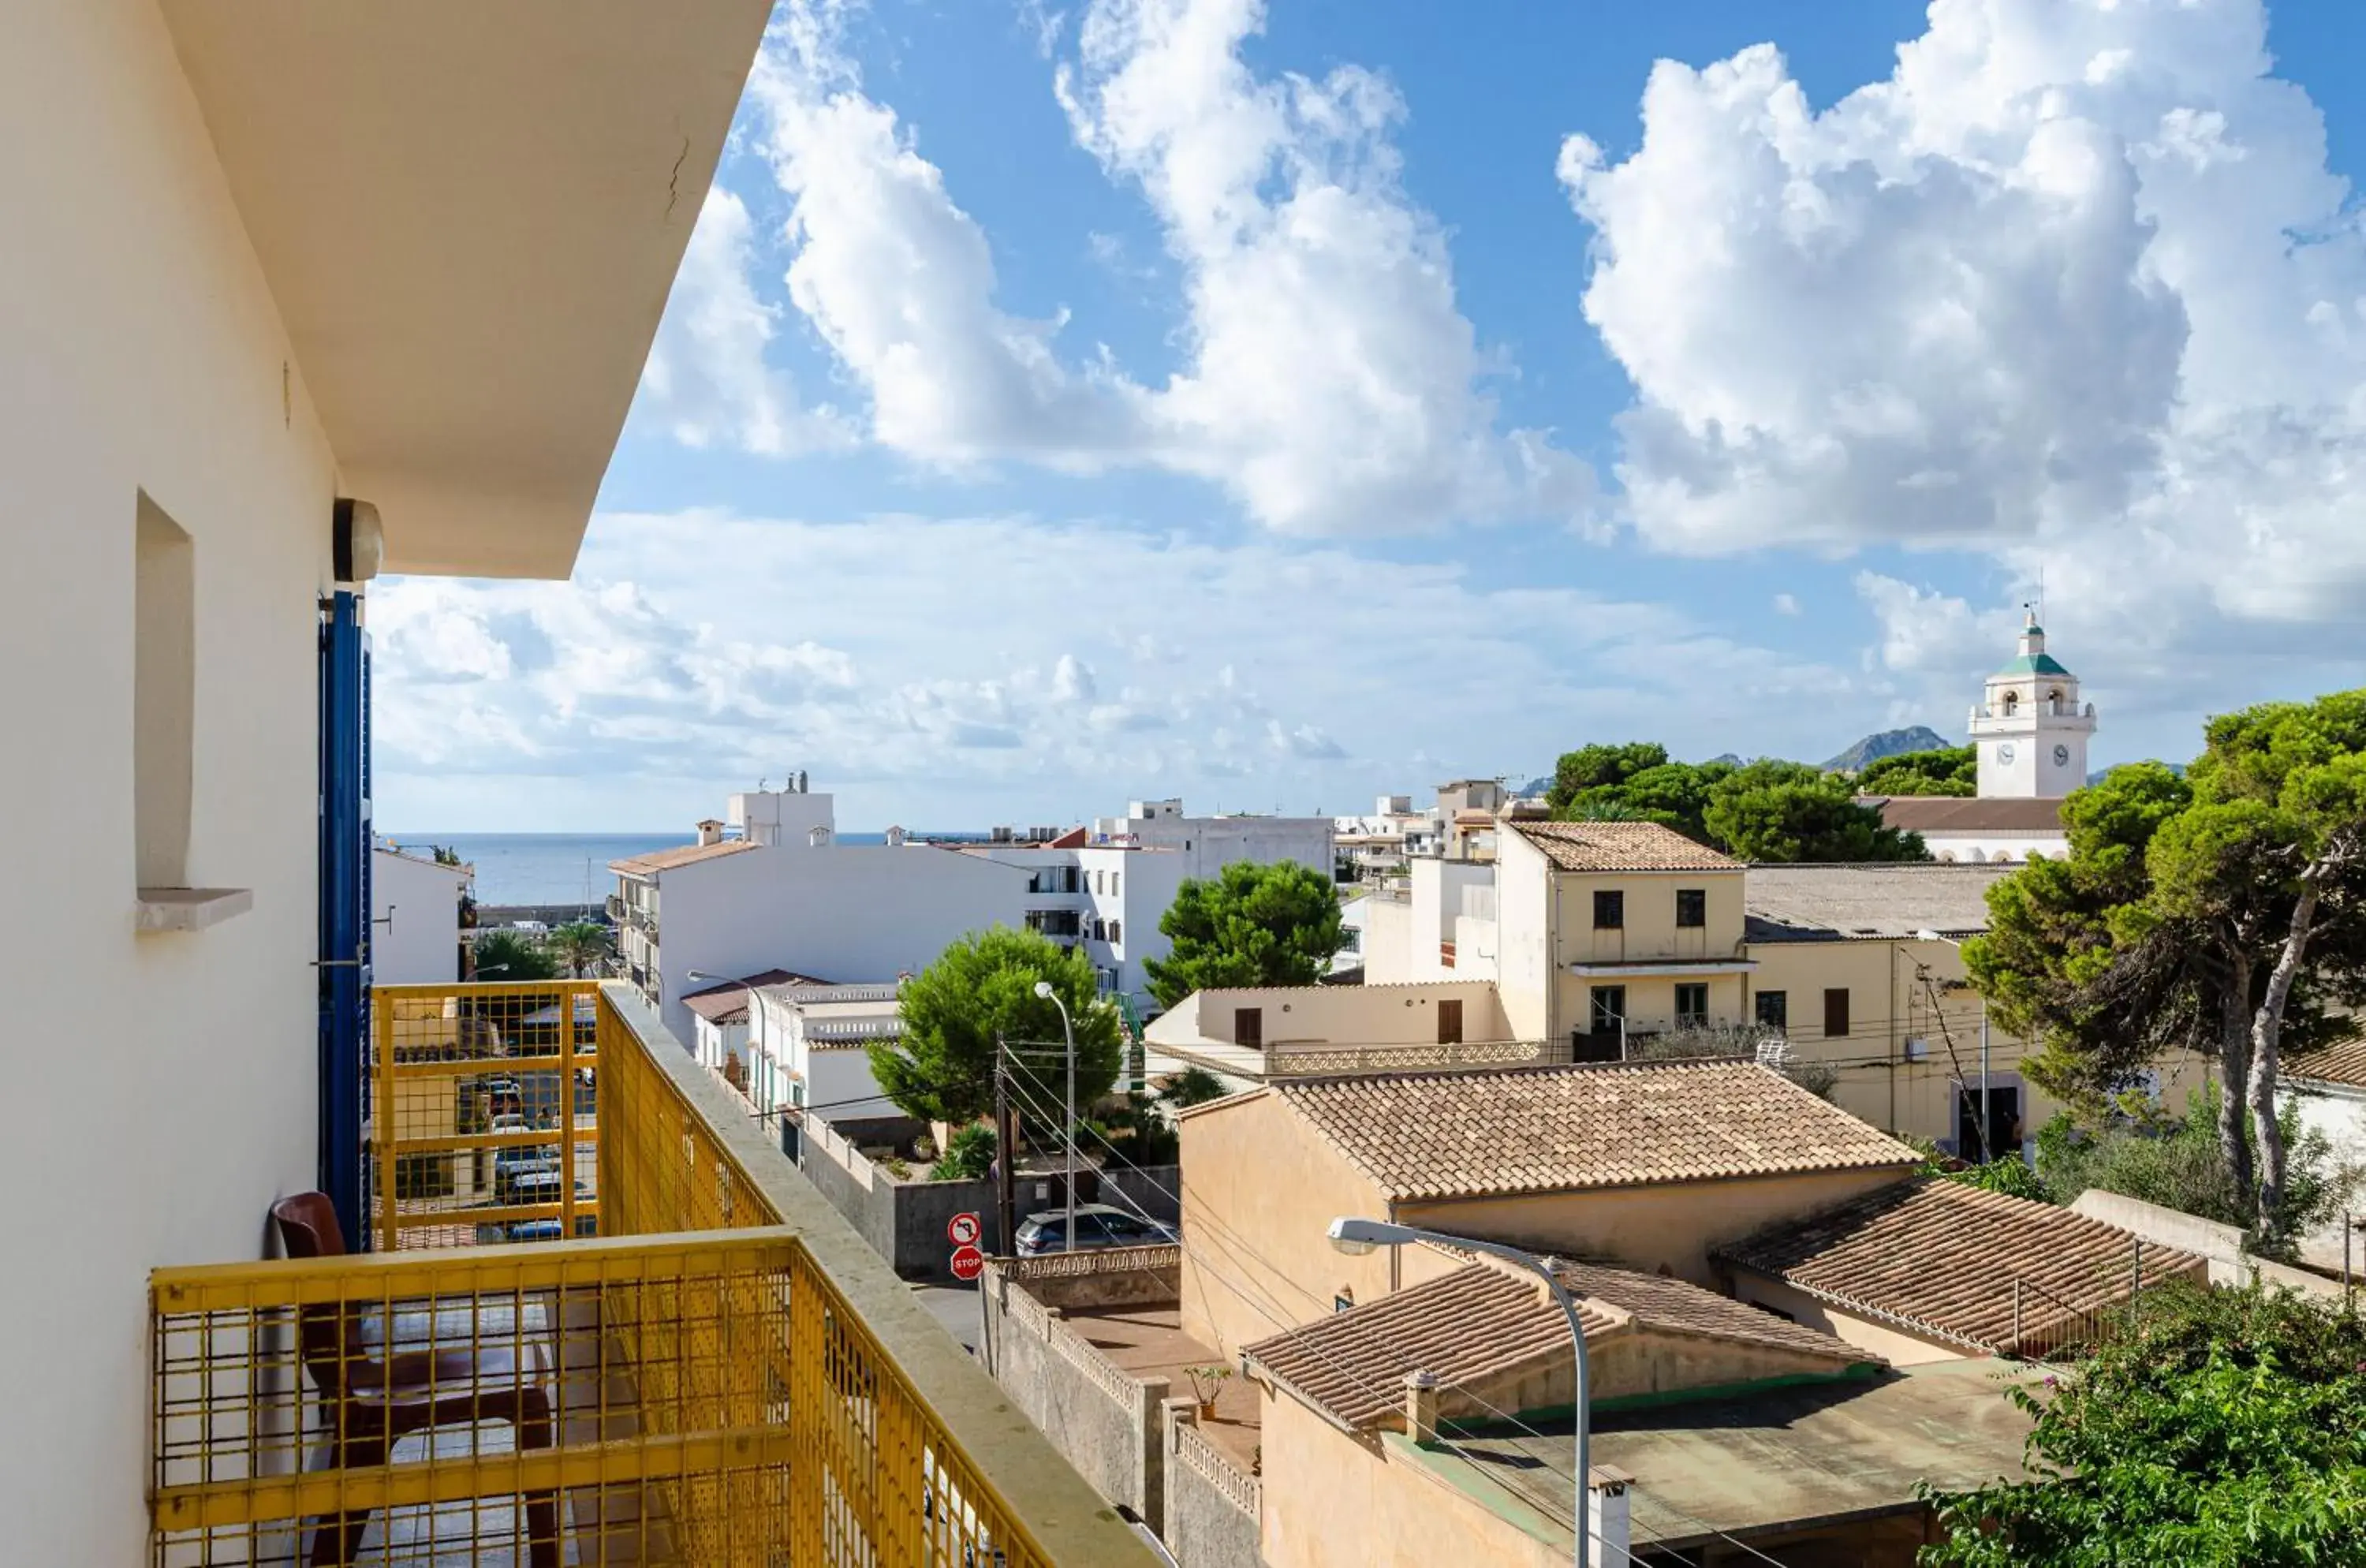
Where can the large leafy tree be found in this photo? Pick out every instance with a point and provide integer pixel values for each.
(1949, 769)
(511, 955)
(1788, 811)
(1675, 794)
(1598, 766)
(1765, 810)
(2219, 1429)
(2221, 911)
(1249, 925)
(980, 989)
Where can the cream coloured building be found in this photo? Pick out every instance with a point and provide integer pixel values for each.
(1582, 928)
(1246, 1035)
(1647, 1165)
(1604, 929)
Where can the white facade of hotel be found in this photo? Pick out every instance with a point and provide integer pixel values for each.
(806, 903)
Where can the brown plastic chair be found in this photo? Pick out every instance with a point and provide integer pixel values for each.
(375, 1401)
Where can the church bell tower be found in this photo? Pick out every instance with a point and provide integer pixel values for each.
(2031, 730)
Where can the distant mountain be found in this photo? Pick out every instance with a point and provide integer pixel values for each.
(1728, 758)
(1888, 743)
(1534, 786)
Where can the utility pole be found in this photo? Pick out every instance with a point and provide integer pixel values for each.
(1006, 1152)
(1988, 1115)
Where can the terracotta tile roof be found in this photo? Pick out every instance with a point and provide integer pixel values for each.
(689, 855)
(1485, 1321)
(2341, 1062)
(1827, 902)
(1462, 1134)
(726, 1002)
(1941, 1256)
(1620, 846)
(1969, 814)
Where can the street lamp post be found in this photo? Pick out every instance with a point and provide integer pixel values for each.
(1356, 1237)
(1044, 989)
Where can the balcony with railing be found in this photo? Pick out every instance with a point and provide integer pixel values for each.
(602, 1321)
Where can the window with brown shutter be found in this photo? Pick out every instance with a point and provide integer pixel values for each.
(1450, 1023)
(1836, 1019)
(1248, 1027)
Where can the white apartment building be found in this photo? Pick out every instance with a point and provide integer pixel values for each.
(1208, 844)
(1106, 888)
(416, 905)
(1106, 900)
(286, 288)
(1375, 847)
(794, 898)
(810, 1046)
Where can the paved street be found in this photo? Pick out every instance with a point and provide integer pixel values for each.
(955, 1306)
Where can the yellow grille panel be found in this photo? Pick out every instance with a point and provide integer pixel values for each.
(690, 1388)
(484, 1114)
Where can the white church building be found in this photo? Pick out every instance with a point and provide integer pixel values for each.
(2032, 732)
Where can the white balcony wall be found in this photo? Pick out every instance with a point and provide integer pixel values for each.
(166, 1081)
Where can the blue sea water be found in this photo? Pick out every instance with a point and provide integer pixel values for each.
(561, 868)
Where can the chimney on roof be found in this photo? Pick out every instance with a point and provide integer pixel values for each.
(710, 831)
(1421, 1407)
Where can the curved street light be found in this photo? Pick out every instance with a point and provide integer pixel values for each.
(1044, 989)
(1358, 1237)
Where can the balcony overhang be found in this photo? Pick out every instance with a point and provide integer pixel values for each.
(470, 216)
(1682, 968)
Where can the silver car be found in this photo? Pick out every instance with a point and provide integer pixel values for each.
(1097, 1225)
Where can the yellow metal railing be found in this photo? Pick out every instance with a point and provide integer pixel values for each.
(693, 1386)
(483, 1125)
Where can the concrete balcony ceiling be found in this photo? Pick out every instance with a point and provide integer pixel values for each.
(470, 216)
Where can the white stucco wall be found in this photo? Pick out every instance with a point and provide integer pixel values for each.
(1524, 959)
(1388, 940)
(847, 913)
(414, 920)
(1336, 1015)
(140, 351)
(1438, 888)
(2015, 848)
(715, 1043)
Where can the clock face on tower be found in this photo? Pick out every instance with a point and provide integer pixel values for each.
(2004, 754)
(2062, 756)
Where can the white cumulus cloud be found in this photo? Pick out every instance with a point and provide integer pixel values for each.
(708, 380)
(1329, 379)
(2074, 288)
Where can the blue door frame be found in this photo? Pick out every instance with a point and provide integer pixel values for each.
(344, 909)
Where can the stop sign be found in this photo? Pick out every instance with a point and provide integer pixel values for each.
(968, 1262)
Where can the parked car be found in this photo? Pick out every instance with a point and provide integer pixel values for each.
(522, 1167)
(1097, 1225)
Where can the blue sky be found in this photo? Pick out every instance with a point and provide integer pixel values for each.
(1283, 405)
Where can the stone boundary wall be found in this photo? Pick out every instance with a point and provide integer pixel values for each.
(1213, 1512)
(1103, 1420)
